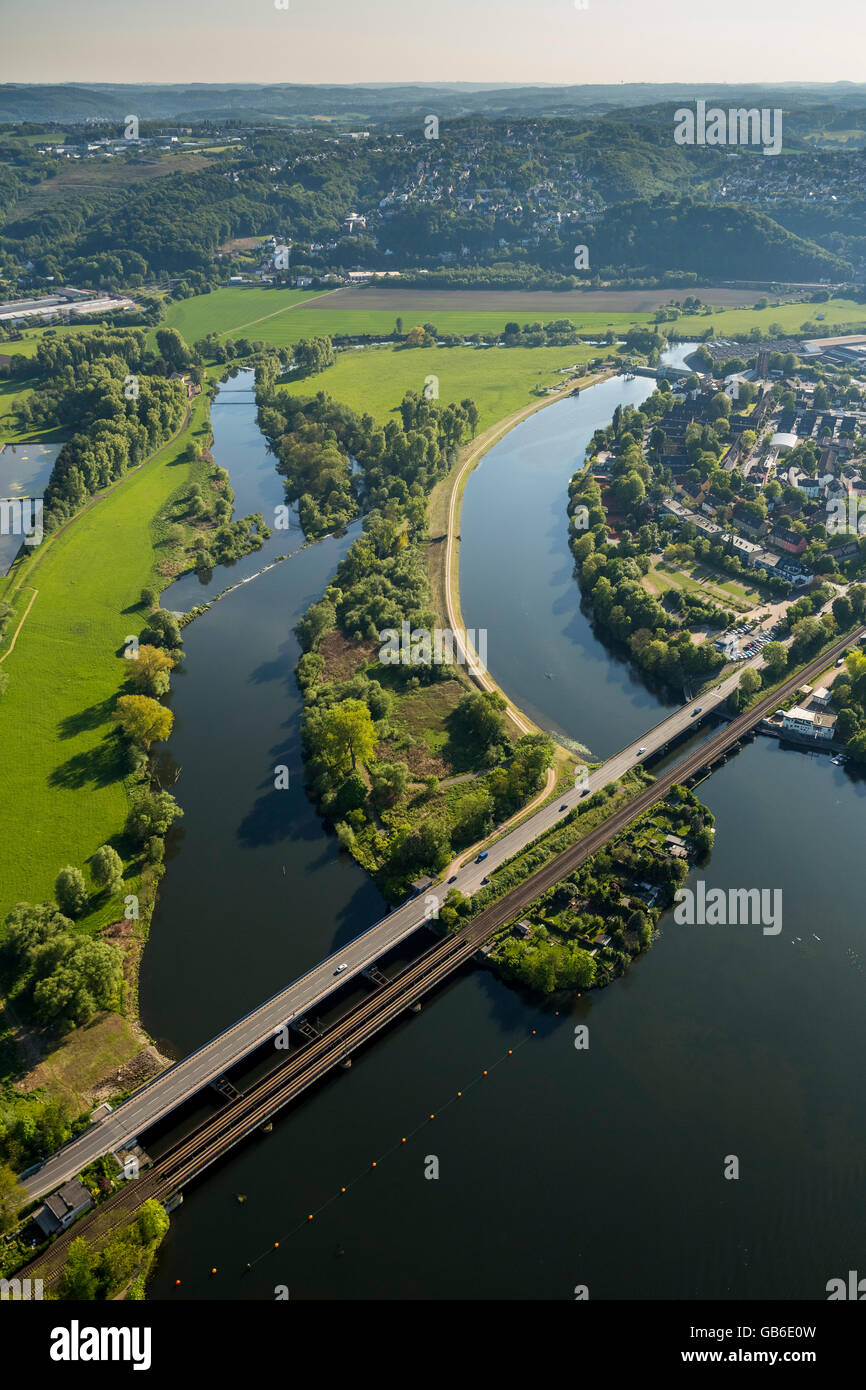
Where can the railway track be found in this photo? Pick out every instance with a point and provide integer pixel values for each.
(214, 1138)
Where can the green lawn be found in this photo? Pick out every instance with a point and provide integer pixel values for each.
(499, 380)
(704, 582)
(790, 316)
(11, 393)
(244, 311)
(63, 794)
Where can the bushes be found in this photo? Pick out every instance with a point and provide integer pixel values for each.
(58, 977)
(71, 891)
(92, 1274)
(152, 814)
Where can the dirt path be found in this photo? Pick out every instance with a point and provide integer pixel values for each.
(11, 646)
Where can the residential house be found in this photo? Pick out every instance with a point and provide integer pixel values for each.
(62, 1207)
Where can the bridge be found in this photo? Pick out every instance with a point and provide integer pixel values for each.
(322, 1050)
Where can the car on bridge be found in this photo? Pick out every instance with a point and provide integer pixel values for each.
(340, 968)
(640, 751)
(696, 710)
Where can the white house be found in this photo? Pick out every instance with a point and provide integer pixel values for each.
(810, 722)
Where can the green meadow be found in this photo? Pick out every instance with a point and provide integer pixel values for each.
(63, 790)
(242, 311)
(499, 380)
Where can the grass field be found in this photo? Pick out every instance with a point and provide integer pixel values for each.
(243, 311)
(11, 392)
(704, 582)
(272, 315)
(499, 380)
(63, 796)
(26, 346)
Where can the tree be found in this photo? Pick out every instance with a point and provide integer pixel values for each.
(847, 724)
(479, 716)
(152, 815)
(162, 630)
(805, 634)
(78, 1281)
(843, 611)
(172, 349)
(389, 781)
(12, 1198)
(857, 596)
(70, 891)
(87, 978)
(346, 735)
(149, 598)
(149, 671)
(106, 867)
(143, 720)
(776, 658)
(152, 1221)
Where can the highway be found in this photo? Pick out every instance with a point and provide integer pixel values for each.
(160, 1096)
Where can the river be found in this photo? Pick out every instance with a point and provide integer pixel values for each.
(559, 1167)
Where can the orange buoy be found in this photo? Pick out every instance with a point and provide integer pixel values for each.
(276, 1245)
(310, 1217)
(374, 1165)
(213, 1271)
(460, 1093)
(176, 1282)
(342, 1189)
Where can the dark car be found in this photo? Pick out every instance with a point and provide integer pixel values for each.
(484, 880)
(564, 806)
(482, 855)
(453, 878)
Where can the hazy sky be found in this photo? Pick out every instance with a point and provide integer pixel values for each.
(431, 40)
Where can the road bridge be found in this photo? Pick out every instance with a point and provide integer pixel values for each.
(204, 1066)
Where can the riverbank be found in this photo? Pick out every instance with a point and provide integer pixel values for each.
(443, 552)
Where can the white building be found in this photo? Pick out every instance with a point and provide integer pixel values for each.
(810, 722)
